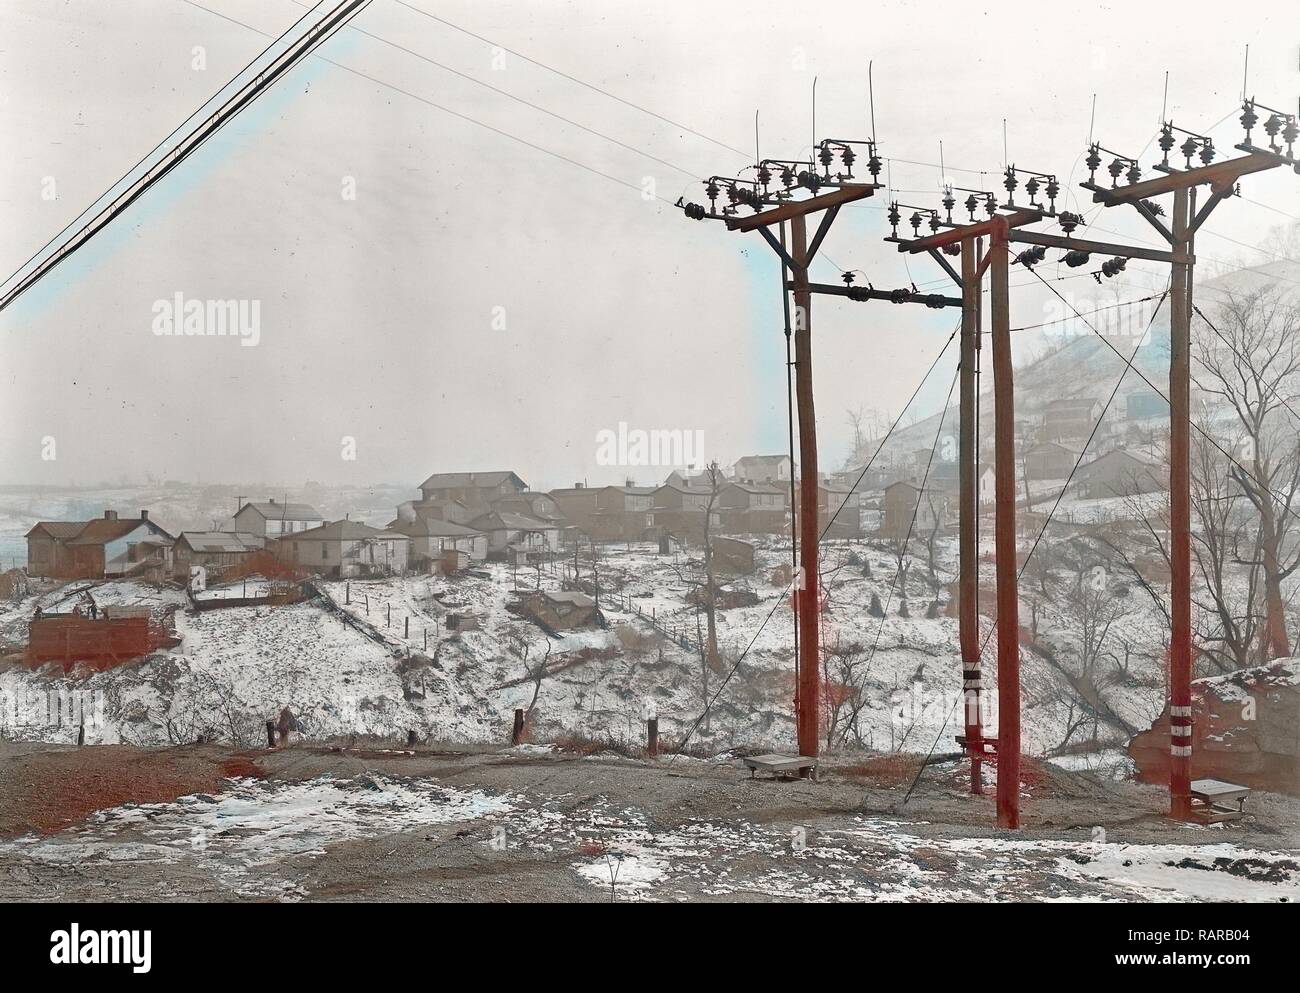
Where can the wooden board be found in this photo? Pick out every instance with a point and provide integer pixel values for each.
(779, 763)
(1215, 790)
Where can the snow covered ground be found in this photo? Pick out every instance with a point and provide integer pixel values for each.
(245, 835)
(264, 839)
(396, 667)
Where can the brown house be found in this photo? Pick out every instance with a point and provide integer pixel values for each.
(681, 511)
(577, 505)
(108, 546)
(623, 513)
(476, 490)
(840, 509)
(905, 502)
(754, 508)
(215, 551)
(1069, 418)
(1120, 473)
(453, 511)
(541, 506)
(1049, 460)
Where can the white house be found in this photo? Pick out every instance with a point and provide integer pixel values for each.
(504, 528)
(762, 469)
(273, 519)
(430, 538)
(346, 548)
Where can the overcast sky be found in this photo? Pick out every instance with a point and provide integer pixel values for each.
(377, 313)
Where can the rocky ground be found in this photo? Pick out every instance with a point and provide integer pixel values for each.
(534, 823)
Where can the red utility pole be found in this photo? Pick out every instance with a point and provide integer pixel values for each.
(1180, 519)
(1004, 469)
(775, 211)
(1185, 219)
(999, 228)
(968, 628)
(809, 730)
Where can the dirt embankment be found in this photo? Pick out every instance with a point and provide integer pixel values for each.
(45, 788)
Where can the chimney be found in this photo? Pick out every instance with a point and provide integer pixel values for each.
(577, 486)
(110, 515)
(270, 500)
(144, 515)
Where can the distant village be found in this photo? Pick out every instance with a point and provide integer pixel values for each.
(462, 518)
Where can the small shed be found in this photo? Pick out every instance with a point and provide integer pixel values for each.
(732, 557)
(560, 610)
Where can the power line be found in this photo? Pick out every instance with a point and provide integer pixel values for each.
(572, 79)
(447, 110)
(518, 99)
(62, 231)
(1099, 310)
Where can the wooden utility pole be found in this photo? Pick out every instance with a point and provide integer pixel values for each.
(1185, 219)
(773, 212)
(997, 262)
(968, 630)
(1180, 519)
(1004, 471)
(806, 589)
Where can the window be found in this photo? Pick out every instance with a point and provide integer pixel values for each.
(324, 551)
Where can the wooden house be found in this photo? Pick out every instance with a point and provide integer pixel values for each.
(106, 547)
(431, 538)
(273, 518)
(476, 490)
(346, 548)
(215, 551)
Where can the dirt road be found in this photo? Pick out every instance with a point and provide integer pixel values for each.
(530, 824)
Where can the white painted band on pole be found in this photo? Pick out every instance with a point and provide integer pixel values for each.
(1180, 711)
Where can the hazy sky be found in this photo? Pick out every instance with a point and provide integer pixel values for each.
(377, 313)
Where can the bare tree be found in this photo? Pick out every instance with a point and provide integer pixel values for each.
(1250, 360)
(705, 587)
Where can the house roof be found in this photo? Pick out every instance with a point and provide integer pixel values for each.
(569, 596)
(460, 480)
(272, 510)
(760, 488)
(1141, 458)
(221, 541)
(1051, 444)
(684, 488)
(57, 529)
(1071, 403)
(434, 529)
(439, 502)
(103, 530)
(343, 530)
(499, 519)
(764, 459)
